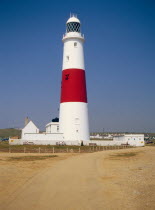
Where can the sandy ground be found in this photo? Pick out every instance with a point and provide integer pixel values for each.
(93, 181)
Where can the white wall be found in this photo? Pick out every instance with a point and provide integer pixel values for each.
(103, 143)
(52, 138)
(40, 142)
(54, 141)
(15, 141)
(43, 136)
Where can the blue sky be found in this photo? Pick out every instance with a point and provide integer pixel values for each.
(119, 60)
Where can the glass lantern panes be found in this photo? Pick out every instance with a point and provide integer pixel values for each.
(73, 27)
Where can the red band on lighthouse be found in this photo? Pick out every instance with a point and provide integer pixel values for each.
(73, 87)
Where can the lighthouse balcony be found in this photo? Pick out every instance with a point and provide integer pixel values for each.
(73, 35)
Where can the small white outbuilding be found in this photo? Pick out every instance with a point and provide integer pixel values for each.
(29, 129)
(52, 127)
(131, 139)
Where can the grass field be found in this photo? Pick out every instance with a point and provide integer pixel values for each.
(123, 155)
(6, 133)
(5, 147)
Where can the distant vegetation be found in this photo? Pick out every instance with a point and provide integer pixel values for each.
(6, 133)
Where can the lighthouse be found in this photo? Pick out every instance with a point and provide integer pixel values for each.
(73, 101)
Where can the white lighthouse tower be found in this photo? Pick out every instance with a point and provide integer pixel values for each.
(73, 103)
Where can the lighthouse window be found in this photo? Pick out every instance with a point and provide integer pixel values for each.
(75, 44)
(73, 27)
(66, 76)
(77, 121)
(67, 57)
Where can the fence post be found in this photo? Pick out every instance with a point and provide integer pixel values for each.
(39, 149)
(53, 149)
(24, 149)
(79, 150)
(67, 149)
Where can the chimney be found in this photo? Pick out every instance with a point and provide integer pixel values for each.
(26, 121)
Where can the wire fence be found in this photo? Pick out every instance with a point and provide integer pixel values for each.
(57, 149)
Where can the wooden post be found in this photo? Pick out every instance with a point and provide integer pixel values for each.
(79, 150)
(53, 149)
(24, 149)
(39, 149)
(67, 149)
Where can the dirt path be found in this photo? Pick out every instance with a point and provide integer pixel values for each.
(101, 180)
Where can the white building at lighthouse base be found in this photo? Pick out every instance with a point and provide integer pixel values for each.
(31, 135)
(52, 136)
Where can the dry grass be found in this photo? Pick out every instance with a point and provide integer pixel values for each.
(124, 155)
(31, 158)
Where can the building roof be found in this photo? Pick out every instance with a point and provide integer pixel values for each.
(29, 124)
